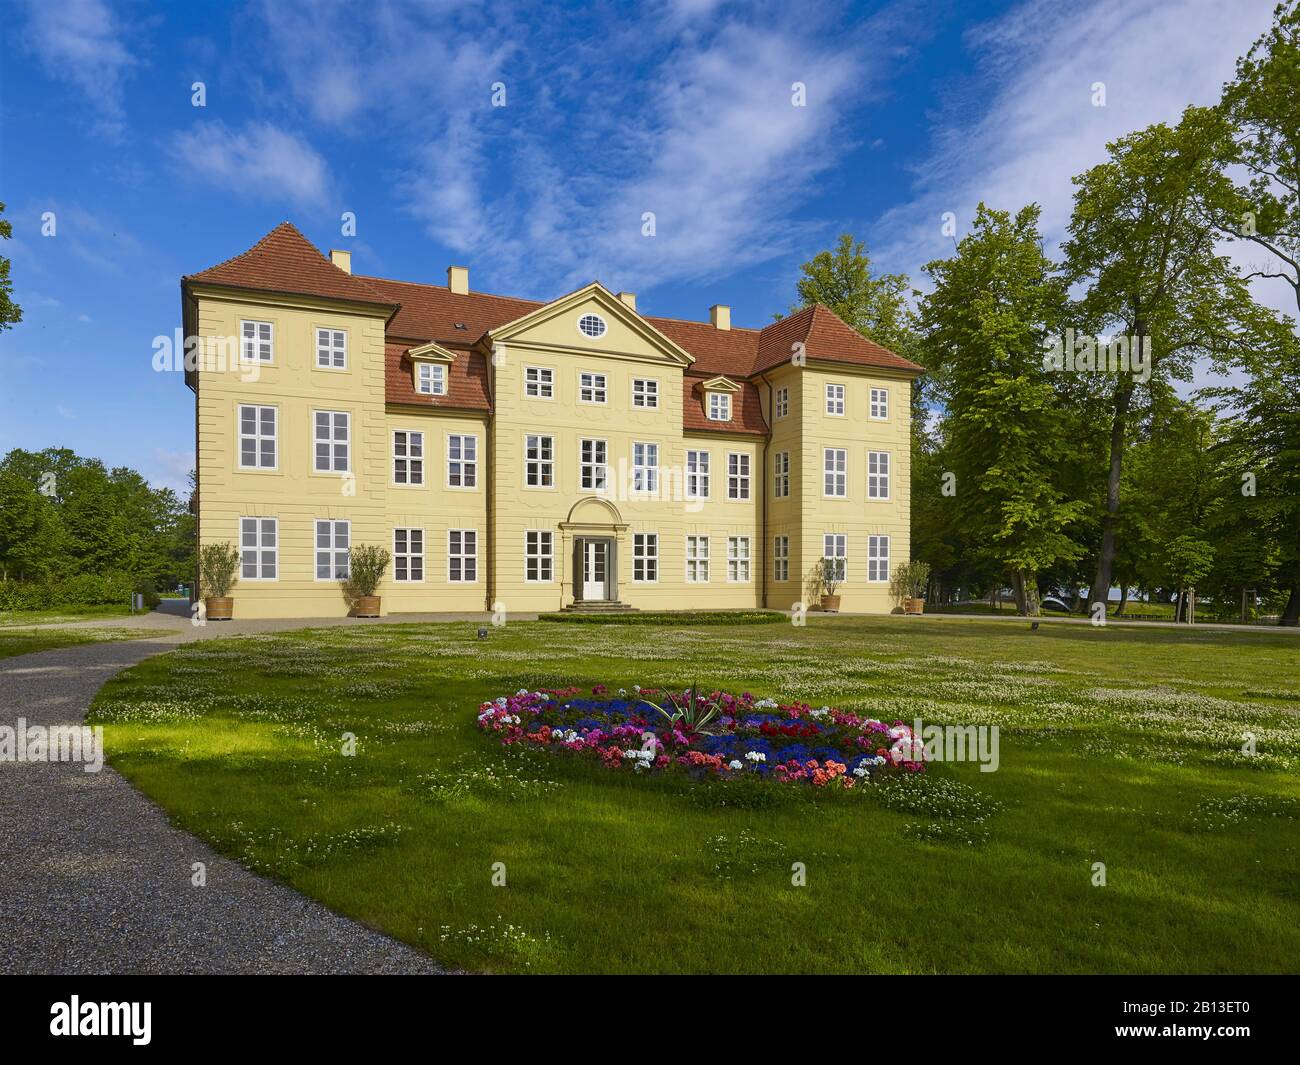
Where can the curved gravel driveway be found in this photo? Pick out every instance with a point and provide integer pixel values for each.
(95, 879)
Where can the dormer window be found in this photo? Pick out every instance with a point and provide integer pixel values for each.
(431, 379)
(719, 407)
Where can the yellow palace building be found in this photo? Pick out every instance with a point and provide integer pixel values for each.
(524, 456)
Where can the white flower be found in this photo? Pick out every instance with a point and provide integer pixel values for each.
(636, 688)
(765, 704)
(522, 691)
(756, 756)
(861, 771)
(735, 764)
(622, 691)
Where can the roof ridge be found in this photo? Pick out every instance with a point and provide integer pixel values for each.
(249, 250)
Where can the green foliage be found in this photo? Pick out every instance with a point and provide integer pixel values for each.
(218, 565)
(366, 566)
(909, 581)
(830, 576)
(10, 312)
(85, 589)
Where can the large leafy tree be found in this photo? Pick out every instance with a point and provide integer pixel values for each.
(10, 312)
(993, 306)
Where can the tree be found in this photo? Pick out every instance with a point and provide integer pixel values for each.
(984, 327)
(1140, 243)
(10, 312)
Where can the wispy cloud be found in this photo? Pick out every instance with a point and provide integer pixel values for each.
(82, 43)
(259, 160)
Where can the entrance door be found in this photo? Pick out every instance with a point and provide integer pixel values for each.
(595, 568)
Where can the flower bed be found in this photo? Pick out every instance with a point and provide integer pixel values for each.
(647, 730)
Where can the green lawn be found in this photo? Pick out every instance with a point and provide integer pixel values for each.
(9, 618)
(14, 641)
(1118, 746)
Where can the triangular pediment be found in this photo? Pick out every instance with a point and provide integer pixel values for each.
(721, 383)
(431, 352)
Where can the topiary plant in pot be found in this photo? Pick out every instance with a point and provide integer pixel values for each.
(367, 564)
(831, 576)
(908, 585)
(218, 565)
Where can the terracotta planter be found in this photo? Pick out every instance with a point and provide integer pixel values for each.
(367, 606)
(831, 604)
(913, 606)
(219, 608)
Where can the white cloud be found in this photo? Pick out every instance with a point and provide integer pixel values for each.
(171, 469)
(259, 160)
(81, 42)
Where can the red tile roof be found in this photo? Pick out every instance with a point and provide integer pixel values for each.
(285, 261)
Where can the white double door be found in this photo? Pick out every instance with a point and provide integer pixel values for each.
(595, 569)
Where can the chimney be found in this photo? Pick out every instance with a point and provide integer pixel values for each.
(341, 259)
(720, 316)
(629, 298)
(458, 279)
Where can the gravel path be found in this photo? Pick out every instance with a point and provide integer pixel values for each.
(95, 879)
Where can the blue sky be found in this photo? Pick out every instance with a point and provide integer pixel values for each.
(611, 110)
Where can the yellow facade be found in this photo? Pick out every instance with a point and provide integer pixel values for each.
(539, 532)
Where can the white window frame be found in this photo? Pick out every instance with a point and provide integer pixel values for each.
(334, 348)
(878, 464)
(781, 558)
(738, 555)
(431, 378)
(836, 546)
(697, 474)
(462, 461)
(781, 475)
(331, 441)
(645, 558)
(405, 556)
(256, 342)
(719, 406)
(539, 382)
(258, 435)
(739, 468)
(879, 405)
(604, 327)
(781, 403)
(460, 560)
(539, 556)
(593, 387)
(835, 473)
(593, 464)
(409, 460)
(836, 395)
(697, 559)
(539, 471)
(645, 393)
(645, 466)
(878, 559)
(334, 549)
(259, 548)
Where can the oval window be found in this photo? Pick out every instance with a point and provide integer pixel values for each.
(592, 325)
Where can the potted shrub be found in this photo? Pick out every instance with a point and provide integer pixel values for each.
(830, 581)
(366, 566)
(218, 564)
(907, 586)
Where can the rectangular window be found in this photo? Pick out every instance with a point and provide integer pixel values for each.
(408, 457)
(719, 407)
(332, 435)
(591, 387)
(835, 400)
(333, 542)
(880, 403)
(835, 462)
(257, 447)
(781, 475)
(737, 475)
(432, 378)
(877, 474)
(256, 341)
(594, 470)
(738, 559)
(259, 548)
(781, 558)
(645, 467)
(539, 556)
(697, 559)
(408, 555)
(697, 475)
(877, 558)
(462, 461)
(462, 556)
(835, 547)
(332, 349)
(645, 557)
(539, 461)
(782, 402)
(539, 382)
(645, 393)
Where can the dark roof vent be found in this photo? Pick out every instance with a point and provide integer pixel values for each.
(461, 325)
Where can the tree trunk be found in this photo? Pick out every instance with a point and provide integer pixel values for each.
(1291, 612)
(1018, 588)
(1100, 590)
(1123, 600)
